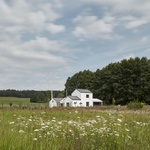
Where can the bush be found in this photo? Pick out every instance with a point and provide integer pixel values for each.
(135, 105)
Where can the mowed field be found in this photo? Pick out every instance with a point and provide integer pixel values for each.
(15, 102)
(101, 128)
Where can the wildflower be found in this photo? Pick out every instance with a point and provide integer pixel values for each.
(34, 139)
(59, 122)
(127, 130)
(138, 123)
(43, 112)
(92, 121)
(119, 120)
(83, 134)
(36, 130)
(87, 124)
(21, 131)
(30, 120)
(70, 122)
(11, 122)
(116, 134)
(44, 127)
(76, 111)
(53, 120)
(42, 124)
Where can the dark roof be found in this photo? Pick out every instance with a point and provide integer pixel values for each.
(74, 97)
(84, 91)
(57, 99)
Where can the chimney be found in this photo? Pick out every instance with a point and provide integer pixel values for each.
(66, 93)
(51, 94)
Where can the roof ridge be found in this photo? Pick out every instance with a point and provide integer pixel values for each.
(84, 90)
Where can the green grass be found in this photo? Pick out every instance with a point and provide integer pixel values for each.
(15, 100)
(74, 129)
(20, 102)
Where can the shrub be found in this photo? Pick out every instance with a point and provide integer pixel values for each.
(135, 105)
(10, 104)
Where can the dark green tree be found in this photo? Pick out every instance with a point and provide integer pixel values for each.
(83, 79)
(123, 81)
(39, 97)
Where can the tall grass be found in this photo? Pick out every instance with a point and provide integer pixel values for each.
(70, 129)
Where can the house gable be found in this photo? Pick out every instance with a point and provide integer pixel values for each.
(57, 99)
(83, 91)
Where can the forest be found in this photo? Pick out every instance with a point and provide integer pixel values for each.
(117, 83)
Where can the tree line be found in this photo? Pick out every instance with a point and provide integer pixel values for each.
(35, 96)
(117, 83)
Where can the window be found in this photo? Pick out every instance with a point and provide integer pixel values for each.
(67, 104)
(87, 95)
(87, 104)
(80, 103)
(75, 103)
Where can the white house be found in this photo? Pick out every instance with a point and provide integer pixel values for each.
(78, 98)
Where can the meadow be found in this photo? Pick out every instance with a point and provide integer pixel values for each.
(74, 129)
(15, 102)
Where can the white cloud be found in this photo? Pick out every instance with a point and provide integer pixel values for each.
(38, 44)
(34, 63)
(131, 22)
(93, 28)
(52, 28)
(38, 52)
(144, 39)
(147, 50)
(21, 16)
(139, 10)
(122, 6)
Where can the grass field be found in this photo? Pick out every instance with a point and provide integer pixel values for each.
(20, 102)
(74, 129)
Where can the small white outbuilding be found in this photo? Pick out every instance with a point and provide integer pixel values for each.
(55, 102)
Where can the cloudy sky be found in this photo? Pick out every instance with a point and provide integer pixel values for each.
(43, 42)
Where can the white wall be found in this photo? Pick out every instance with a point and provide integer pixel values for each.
(77, 103)
(52, 103)
(76, 93)
(67, 100)
(83, 97)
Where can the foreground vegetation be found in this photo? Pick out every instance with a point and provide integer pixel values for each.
(74, 129)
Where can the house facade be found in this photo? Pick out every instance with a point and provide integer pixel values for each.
(78, 98)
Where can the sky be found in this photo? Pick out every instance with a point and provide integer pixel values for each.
(43, 42)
